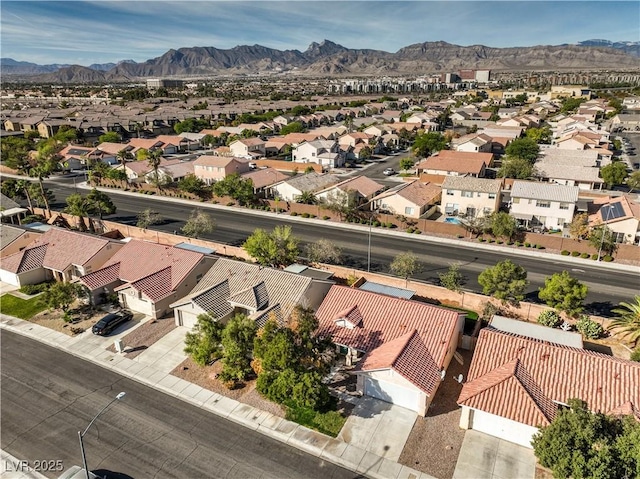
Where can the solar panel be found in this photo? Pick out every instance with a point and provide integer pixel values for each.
(612, 212)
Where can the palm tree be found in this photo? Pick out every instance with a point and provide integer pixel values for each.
(101, 203)
(628, 320)
(155, 158)
(41, 171)
(122, 156)
(77, 205)
(307, 198)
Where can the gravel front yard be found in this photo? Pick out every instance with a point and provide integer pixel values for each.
(84, 317)
(144, 336)
(435, 441)
(205, 377)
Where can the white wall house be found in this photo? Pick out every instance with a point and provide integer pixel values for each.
(470, 197)
(546, 205)
(323, 152)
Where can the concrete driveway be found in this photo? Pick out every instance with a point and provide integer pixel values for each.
(487, 457)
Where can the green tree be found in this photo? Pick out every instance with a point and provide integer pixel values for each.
(100, 203)
(117, 174)
(148, 217)
(277, 248)
(503, 225)
(61, 295)
(516, 168)
(293, 127)
(23, 187)
(505, 281)
(405, 265)
(571, 104)
(237, 343)
(307, 198)
(428, 143)
(627, 321)
(45, 165)
(198, 224)
(344, 203)
(524, 149)
(550, 318)
(582, 444)
(123, 156)
(615, 173)
(406, 164)
(540, 135)
(452, 279)
(40, 196)
(323, 251)
(237, 187)
(142, 154)
(203, 343)
(15, 152)
(633, 181)
(564, 293)
(109, 137)
(194, 185)
(154, 160)
(77, 205)
(603, 239)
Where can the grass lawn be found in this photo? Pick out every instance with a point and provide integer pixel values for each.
(21, 308)
(329, 422)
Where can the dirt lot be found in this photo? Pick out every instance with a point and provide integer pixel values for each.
(435, 440)
(144, 336)
(206, 377)
(83, 318)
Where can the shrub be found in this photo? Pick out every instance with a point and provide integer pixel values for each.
(305, 215)
(539, 246)
(325, 217)
(231, 203)
(417, 232)
(34, 288)
(499, 242)
(510, 243)
(293, 213)
(585, 255)
(392, 225)
(589, 328)
(565, 252)
(518, 244)
(376, 223)
(482, 240)
(575, 254)
(527, 245)
(594, 256)
(491, 240)
(310, 215)
(635, 355)
(607, 258)
(410, 229)
(550, 318)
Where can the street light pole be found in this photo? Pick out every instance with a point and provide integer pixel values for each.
(81, 434)
(369, 243)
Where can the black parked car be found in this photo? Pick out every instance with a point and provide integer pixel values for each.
(111, 321)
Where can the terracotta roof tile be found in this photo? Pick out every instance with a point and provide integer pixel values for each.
(519, 378)
(385, 318)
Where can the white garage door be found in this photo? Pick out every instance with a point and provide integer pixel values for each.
(392, 393)
(187, 319)
(503, 428)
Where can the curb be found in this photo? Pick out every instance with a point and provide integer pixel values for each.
(312, 442)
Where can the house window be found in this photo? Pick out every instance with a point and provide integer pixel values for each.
(467, 194)
(408, 210)
(515, 200)
(543, 204)
(492, 196)
(449, 193)
(564, 206)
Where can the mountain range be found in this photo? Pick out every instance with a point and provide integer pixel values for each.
(330, 59)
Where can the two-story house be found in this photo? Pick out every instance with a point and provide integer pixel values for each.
(470, 197)
(250, 148)
(215, 168)
(323, 152)
(547, 205)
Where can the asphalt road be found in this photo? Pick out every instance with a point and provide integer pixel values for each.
(606, 288)
(49, 395)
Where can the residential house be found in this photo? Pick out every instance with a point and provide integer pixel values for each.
(14, 239)
(170, 171)
(263, 178)
(517, 384)
(215, 168)
(154, 144)
(456, 163)
(250, 148)
(473, 143)
(620, 214)
(403, 346)
(58, 254)
(323, 152)
(10, 211)
(107, 152)
(360, 189)
(47, 128)
(231, 287)
(74, 157)
(547, 205)
(411, 199)
(147, 277)
(290, 189)
(470, 197)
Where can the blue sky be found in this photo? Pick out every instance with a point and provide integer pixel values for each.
(107, 31)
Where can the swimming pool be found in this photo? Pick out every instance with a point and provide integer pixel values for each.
(452, 220)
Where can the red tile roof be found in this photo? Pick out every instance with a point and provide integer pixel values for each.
(385, 318)
(56, 249)
(156, 270)
(521, 378)
(407, 355)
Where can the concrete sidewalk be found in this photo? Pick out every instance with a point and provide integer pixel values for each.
(373, 454)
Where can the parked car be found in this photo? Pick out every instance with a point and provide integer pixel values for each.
(111, 321)
(389, 172)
